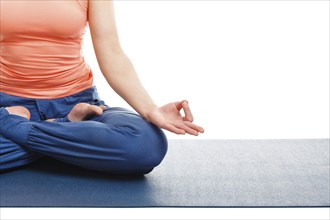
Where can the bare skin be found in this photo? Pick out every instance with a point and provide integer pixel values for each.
(79, 112)
(20, 111)
(83, 111)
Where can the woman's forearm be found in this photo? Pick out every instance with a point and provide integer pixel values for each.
(122, 77)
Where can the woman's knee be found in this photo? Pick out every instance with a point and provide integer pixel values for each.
(141, 146)
(149, 147)
(139, 152)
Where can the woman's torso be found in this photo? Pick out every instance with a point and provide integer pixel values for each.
(41, 48)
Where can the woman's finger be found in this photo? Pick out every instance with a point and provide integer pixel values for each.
(178, 105)
(187, 112)
(186, 128)
(173, 129)
(194, 126)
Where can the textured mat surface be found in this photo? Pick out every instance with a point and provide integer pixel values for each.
(215, 173)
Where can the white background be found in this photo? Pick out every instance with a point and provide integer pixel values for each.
(250, 69)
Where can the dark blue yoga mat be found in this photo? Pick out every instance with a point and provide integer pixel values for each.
(195, 173)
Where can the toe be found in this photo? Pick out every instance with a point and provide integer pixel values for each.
(96, 109)
(103, 107)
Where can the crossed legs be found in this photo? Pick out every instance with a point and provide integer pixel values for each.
(116, 141)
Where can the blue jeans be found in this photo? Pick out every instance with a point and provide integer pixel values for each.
(118, 141)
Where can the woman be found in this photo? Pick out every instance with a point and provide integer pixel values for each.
(49, 105)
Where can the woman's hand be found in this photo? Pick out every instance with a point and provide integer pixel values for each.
(170, 118)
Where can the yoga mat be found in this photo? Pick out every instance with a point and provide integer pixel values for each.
(195, 173)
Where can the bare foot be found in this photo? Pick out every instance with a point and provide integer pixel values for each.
(82, 111)
(20, 111)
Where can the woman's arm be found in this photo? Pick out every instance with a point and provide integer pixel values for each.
(114, 64)
(121, 75)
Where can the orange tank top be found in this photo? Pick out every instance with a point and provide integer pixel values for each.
(41, 48)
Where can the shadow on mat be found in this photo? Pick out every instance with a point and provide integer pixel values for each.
(51, 183)
(58, 168)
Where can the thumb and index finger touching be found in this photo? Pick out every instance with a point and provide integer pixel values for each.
(188, 116)
(186, 109)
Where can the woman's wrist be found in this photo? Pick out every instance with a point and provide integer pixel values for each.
(147, 111)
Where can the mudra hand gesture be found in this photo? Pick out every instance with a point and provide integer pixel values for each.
(169, 117)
